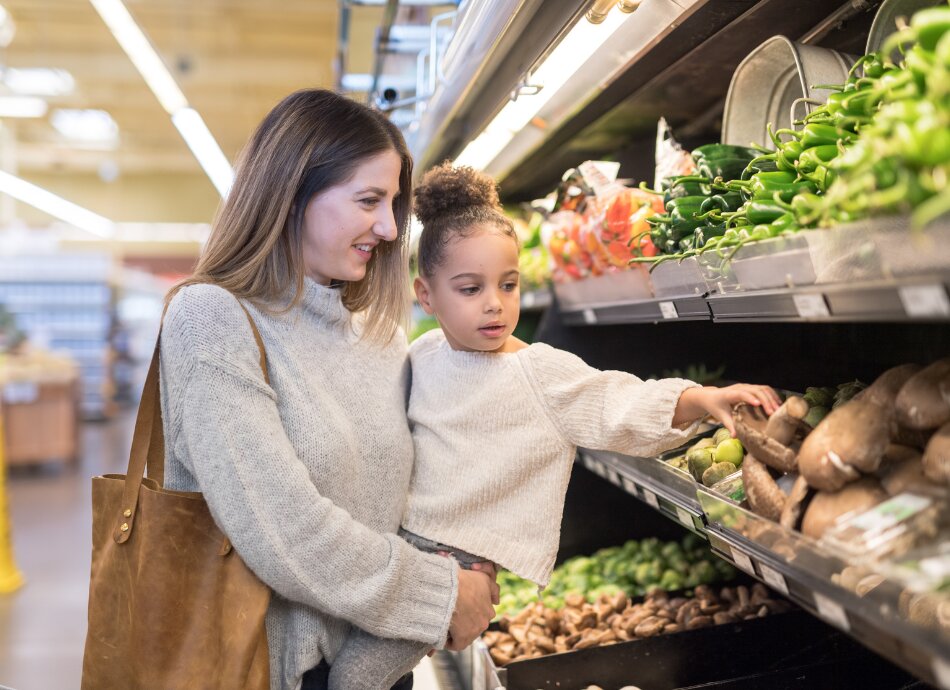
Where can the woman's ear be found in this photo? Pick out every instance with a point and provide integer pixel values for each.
(423, 294)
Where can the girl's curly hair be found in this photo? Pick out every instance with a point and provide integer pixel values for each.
(451, 203)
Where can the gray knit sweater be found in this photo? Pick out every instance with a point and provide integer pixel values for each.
(496, 435)
(307, 476)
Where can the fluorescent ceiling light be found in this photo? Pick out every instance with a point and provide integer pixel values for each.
(56, 206)
(202, 144)
(554, 72)
(7, 28)
(142, 54)
(38, 81)
(187, 120)
(87, 126)
(22, 106)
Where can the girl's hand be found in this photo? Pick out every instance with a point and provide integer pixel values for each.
(718, 403)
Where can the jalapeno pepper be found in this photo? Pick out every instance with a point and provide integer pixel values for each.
(718, 151)
(729, 201)
(764, 212)
(816, 134)
(726, 168)
(810, 159)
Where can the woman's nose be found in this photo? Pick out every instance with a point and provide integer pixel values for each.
(385, 227)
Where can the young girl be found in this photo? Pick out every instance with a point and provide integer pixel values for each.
(495, 422)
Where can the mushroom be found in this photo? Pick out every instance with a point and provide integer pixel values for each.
(751, 424)
(852, 438)
(765, 498)
(795, 504)
(827, 507)
(924, 401)
(786, 421)
(936, 460)
(902, 470)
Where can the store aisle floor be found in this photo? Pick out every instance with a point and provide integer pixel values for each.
(43, 625)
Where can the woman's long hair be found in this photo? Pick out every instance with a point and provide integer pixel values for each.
(312, 140)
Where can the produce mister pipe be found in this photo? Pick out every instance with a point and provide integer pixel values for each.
(598, 10)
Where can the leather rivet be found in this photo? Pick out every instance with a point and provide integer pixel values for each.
(127, 512)
(124, 527)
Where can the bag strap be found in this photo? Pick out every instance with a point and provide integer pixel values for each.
(148, 440)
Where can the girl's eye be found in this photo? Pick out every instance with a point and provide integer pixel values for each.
(468, 290)
(510, 287)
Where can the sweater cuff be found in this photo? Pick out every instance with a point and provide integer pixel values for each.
(669, 436)
(432, 612)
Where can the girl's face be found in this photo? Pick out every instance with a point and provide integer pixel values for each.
(344, 224)
(475, 292)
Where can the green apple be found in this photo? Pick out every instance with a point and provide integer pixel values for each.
(730, 450)
(721, 435)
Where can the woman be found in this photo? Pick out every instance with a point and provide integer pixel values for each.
(308, 475)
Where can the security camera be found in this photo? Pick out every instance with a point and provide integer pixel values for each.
(390, 95)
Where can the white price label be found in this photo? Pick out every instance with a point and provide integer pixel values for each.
(668, 310)
(774, 579)
(685, 518)
(614, 477)
(942, 673)
(742, 560)
(629, 486)
(600, 470)
(650, 498)
(528, 300)
(589, 462)
(924, 300)
(811, 306)
(832, 612)
(590, 316)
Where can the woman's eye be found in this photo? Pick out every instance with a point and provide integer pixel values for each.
(369, 202)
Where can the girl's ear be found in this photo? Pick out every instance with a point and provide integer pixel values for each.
(423, 294)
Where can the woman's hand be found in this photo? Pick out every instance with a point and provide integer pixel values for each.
(718, 403)
(473, 609)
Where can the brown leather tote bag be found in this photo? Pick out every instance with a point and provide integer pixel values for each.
(171, 605)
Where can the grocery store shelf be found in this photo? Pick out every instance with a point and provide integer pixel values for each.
(784, 560)
(655, 483)
(911, 299)
(536, 300)
(917, 298)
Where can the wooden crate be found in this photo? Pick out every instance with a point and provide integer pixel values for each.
(42, 423)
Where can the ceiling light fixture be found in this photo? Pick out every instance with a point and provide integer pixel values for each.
(22, 106)
(147, 61)
(38, 81)
(581, 42)
(56, 206)
(87, 126)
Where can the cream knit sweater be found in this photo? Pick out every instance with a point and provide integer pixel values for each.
(307, 476)
(495, 438)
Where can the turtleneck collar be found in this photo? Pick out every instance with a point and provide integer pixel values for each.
(324, 303)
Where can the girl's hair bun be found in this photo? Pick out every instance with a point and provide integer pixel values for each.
(447, 190)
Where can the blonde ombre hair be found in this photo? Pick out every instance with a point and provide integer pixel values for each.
(312, 140)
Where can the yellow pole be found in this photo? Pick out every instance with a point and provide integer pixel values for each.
(11, 579)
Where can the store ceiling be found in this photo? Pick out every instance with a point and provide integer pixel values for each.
(234, 59)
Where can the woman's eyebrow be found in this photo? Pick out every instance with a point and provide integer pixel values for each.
(375, 190)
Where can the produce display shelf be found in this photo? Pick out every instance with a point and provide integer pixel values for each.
(920, 298)
(874, 626)
(535, 300)
(690, 308)
(655, 483)
(782, 559)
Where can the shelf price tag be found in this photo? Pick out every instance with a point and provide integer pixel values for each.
(924, 300)
(685, 518)
(668, 310)
(832, 612)
(773, 579)
(941, 669)
(650, 498)
(742, 560)
(613, 477)
(811, 305)
(590, 317)
(629, 486)
(589, 462)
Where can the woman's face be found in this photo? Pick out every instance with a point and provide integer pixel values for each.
(344, 224)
